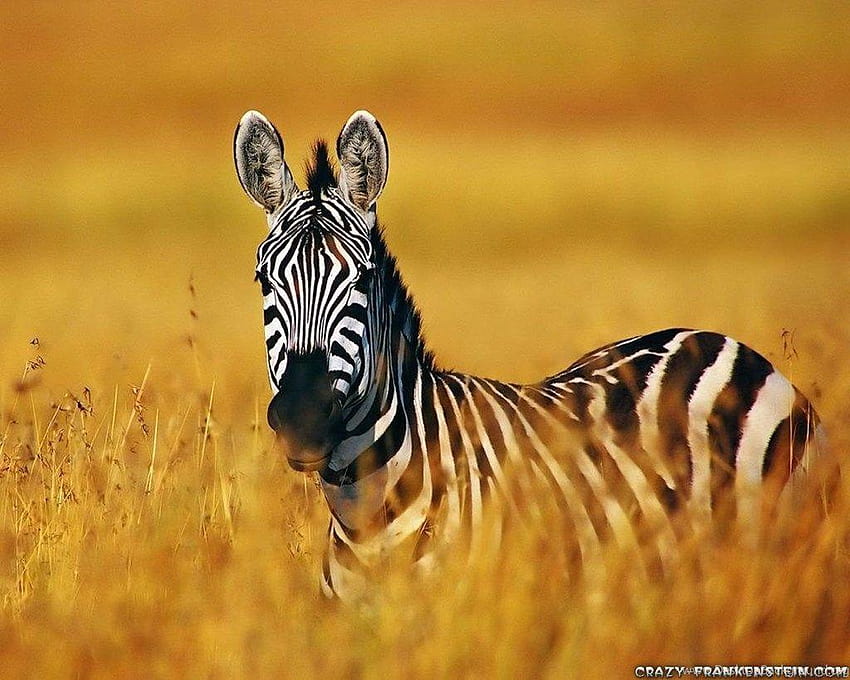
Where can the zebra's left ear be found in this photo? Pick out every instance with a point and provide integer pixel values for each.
(258, 153)
(364, 160)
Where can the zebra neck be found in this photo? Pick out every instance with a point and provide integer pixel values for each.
(366, 466)
(385, 477)
(377, 426)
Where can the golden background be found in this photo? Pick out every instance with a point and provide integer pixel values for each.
(561, 175)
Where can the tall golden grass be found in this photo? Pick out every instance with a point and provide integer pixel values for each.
(144, 537)
(561, 176)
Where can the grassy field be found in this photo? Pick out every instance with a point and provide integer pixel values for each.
(560, 177)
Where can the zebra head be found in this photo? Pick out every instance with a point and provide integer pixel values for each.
(316, 270)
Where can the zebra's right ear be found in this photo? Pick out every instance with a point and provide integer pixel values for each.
(258, 153)
(364, 160)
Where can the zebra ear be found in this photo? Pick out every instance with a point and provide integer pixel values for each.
(364, 160)
(258, 153)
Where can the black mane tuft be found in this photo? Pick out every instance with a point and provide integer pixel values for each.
(406, 316)
(321, 174)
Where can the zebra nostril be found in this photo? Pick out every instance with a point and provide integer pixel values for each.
(306, 410)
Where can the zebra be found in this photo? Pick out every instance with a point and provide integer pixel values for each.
(410, 456)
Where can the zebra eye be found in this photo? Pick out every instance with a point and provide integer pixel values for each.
(365, 274)
(264, 281)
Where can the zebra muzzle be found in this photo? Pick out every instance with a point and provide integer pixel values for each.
(305, 413)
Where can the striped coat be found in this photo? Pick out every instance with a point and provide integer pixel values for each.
(413, 459)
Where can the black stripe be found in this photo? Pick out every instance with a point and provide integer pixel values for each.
(682, 373)
(726, 423)
(455, 439)
(622, 397)
(490, 423)
(373, 458)
(326, 570)
(407, 489)
(653, 342)
(734, 402)
(788, 442)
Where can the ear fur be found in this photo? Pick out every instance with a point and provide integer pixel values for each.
(363, 158)
(258, 154)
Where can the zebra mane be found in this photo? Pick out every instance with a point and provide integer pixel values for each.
(321, 174)
(406, 316)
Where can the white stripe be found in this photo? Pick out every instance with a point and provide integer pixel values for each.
(773, 404)
(709, 386)
(647, 409)
(649, 504)
(357, 297)
(587, 537)
(596, 355)
(474, 476)
(620, 525)
(348, 346)
(448, 467)
(505, 426)
(412, 518)
(348, 449)
(486, 445)
(605, 371)
(512, 450)
(349, 585)
(272, 326)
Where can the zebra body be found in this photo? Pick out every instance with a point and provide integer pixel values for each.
(411, 456)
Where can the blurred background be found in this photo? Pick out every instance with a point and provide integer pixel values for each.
(562, 174)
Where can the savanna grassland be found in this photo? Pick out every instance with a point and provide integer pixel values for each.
(561, 176)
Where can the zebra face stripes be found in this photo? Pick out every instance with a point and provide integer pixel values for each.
(637, 442)
(316, 270)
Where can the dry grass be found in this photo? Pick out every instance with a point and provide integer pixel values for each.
(143, 537)
(561, 177)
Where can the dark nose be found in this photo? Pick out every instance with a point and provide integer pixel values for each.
(305, 412)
